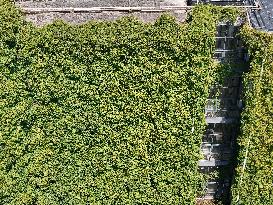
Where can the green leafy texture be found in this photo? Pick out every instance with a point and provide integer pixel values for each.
(105, 112)
(254, 185)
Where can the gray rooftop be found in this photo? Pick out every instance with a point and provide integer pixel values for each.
(263, 19)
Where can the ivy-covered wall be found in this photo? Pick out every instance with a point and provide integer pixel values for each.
(104, 112)
(254, 178)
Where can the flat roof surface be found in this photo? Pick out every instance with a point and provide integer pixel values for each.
(100, 3)
(78, 18)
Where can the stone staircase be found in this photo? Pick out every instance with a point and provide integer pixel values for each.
(222, 114)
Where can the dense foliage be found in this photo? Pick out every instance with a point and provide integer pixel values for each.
(254, 177)
(105, 112)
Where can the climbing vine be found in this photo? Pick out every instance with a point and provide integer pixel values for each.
(254, 176)
(104, 112)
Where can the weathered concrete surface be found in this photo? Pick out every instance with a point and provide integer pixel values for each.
(78, 18)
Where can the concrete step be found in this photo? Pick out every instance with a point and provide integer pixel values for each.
(212, 163)
(221, 120)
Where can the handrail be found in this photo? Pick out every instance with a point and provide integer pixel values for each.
(28, 10)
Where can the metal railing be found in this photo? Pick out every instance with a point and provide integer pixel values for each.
(29, 10)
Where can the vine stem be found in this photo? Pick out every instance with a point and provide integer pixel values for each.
(243, 170)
